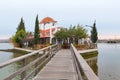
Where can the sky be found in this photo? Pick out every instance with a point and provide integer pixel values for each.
(66, 12)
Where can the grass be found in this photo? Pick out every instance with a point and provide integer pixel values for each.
(89, 55)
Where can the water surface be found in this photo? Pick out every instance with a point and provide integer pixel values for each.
(107, 63)
(5, 56)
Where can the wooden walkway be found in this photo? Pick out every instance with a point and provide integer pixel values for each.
(61, 67)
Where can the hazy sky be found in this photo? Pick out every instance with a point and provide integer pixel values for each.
(66, 12)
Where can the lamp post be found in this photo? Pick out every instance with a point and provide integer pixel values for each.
(89, 26)
(89, 39)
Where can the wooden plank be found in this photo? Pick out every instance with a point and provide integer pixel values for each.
(61, 67)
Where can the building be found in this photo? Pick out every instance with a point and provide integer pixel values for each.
(47, 29)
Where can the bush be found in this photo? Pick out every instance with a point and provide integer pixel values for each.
(18, 38)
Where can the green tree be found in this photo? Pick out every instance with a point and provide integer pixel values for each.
(94, 33)
(73, 33)
(21, 26)
(29, 34)
(80, 33)
(20, 34)
(36, 32)
(19, 37)
(60, 35)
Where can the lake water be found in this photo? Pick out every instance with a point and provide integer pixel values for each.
(107, 67)
(105, 62)
(109, 61)
(4, 56)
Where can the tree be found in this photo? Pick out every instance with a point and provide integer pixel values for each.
(29, 34)
(80, 33)
(61, 35)
(21, 26)
(75, 32)
(20, 34)
(19, 37)
(36, 32)
(94, 33)
(71, 31)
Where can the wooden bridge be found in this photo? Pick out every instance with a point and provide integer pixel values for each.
(61, 67)
(54, 64)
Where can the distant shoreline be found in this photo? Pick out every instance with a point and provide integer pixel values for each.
(4, 41)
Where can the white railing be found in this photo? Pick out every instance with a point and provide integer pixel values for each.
(84, 72)
(38, 62)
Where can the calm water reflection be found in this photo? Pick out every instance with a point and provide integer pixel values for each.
(109, 61)
(106, 64)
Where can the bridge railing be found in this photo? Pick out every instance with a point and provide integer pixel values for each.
(84, 72)
(38, 62)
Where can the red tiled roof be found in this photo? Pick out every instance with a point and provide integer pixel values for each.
(46, 33)
(47, 20)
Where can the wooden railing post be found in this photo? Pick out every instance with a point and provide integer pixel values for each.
(58, 47)
(50, 52)
(23, 74)
(43, 51)
(36, 56)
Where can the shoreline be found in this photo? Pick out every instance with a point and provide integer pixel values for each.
(14, 50)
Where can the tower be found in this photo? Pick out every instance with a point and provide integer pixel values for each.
(47, 26)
